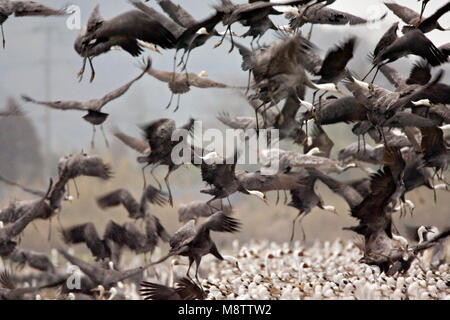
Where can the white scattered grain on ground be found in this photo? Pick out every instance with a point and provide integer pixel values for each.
(269, 270)
(328, 270)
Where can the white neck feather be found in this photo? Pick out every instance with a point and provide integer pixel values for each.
(331, 87)
(306, 104)
(362, 84)
(420, 233)
(329, 208)
(422, 102)
(400, 239)
(313, 151)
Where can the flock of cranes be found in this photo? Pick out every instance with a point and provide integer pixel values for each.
(407, 124)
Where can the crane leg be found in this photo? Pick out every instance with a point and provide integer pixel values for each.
(421, 11)
(49, 229)
(285, 196)
(186, 61)
(166, 180)
(223, 37)
(228, 202)
(197, 264)
(248, 83)
(143, 174)
(170, 100)
(76, 188)
(92, 70)
(174, 65)
(257, 119)
(293, 228)
(359, 143)
(364, 143)
(308, 36)
(181, 59)
(371, 69)
(314, 96)
(376, 72)
(257, 40)
(191, 261)
(299, 215)
(104, 136)
(278, 197)
(306, 129)
(154, 178)
(320, 98)
(81, 72)
(178, 103)
(3, 36)
(232, 41)
(211, 207)
(68, 190)
(173, 76)
(93, 137)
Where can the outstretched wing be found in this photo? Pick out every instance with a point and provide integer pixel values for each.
(85, 165)
(134, 143)
(155, 291)
(39, 193)
(403, 119)
(127, 235)
(382, 187)
(135, 24)
(414, 42)
(221, 223)
(419, 74)
(120, 197)
(332, 16)
(120, 91)
(155, 196)
(183, 235)
(36, 260)
(337, 58)
(32, 8)
(350, 195)
(406, 14)
(6, 281)
(177, 13)
(61, 105)
(200, 82)
(263, 183)
(86, 233)
(189, 290)
(197, 209)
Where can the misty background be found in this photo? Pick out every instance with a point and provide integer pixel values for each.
(39, 60)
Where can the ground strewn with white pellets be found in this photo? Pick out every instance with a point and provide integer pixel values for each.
(328, 270)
